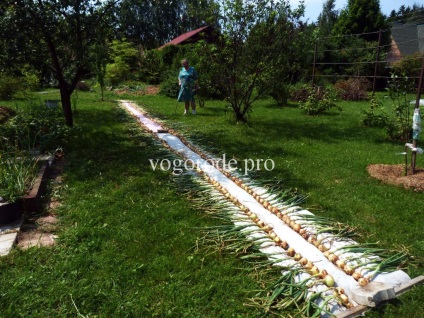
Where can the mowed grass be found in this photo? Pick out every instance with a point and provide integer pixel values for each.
(127, 241)
(324, 157)
(128, 238)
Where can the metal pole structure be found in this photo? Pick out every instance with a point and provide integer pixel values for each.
(417, 108)
(406, 161)
(315, 61)
(377, 59)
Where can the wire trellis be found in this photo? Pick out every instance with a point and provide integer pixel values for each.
(339, 67)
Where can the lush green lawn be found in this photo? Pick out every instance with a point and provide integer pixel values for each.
(324, 157)
(127, 238)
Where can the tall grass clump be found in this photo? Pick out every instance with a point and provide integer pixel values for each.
(17, 173)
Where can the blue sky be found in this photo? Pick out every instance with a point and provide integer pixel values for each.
(314, 7)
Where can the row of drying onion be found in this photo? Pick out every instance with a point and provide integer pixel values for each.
(311, 238)
(326, 278)
(313, 270)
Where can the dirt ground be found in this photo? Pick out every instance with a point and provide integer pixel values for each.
(395, 174)
(148, 90)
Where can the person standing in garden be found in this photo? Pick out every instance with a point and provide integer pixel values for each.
(187, 79)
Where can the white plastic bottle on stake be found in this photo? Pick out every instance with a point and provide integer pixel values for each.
(416, 124)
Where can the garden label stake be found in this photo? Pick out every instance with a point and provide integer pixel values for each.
(320, 264)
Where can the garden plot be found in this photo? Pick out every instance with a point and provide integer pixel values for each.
(320, 265)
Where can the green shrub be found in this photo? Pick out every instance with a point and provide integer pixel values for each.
(409, 65)
(125, 57)
(30, 79)
(26, 83)
(169, 54)
(117, 73)
(133, 86)
(399, 126)
(151, 67)
(353, 89)
(397, 130)
(375, 115)
(398, 88)
(170, 87)
(9, 86)
(319, 101)
(280, 92)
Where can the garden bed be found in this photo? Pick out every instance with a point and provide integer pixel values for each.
(147, 90)
(31, 202)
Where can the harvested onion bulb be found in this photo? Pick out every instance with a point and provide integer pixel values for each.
(297, 227)
(340, 263)
(332, 258)
(356, 275)
(291, 252)
(344, 299)
(348, 270)
(329, 280)
(303, 261)
(363, 281)
(284, 245)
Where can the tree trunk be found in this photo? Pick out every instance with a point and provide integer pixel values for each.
(102, 89)
(65, 96)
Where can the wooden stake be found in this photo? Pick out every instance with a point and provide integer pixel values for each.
(377, 58)
(314, 65)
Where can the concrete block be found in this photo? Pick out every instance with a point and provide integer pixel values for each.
(6, 243)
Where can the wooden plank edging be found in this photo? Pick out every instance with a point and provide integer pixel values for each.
(34, 199)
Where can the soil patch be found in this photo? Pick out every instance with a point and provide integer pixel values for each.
(37, 232)
(147, 90)
(395, 174)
